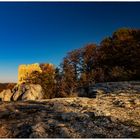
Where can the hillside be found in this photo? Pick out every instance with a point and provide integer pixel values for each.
(108, 116)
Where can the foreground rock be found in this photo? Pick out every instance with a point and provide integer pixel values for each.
(108, 116)
(22, 92)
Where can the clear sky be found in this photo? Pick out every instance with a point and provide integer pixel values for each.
(45, 32)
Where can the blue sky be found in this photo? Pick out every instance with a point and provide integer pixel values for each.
(45, 32)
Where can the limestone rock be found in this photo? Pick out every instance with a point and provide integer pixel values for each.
(33, 92)
(23, 92)
(39, 131)
(137, 101)
(2, 95)
(6, 95)
(17, 95)
(43, 119)
(119, 103)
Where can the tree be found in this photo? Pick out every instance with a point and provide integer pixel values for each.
(59, 84)
(117, 58)
(88, 66)
(78, 68)
(45, 79)
(120, 54)
(69, 77)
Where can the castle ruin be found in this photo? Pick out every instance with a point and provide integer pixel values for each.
(25, 70)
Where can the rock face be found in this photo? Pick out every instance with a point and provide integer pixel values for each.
(109, 87)
(72, 118)
(33, 92)
(6, 95)
(4, 86)
(23, 92)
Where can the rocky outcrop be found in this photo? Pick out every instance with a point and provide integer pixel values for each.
(33, 92)
(4, 86)
(23, 92)
(6, 95)
(128, 86)
(105, 117)
(109, 87)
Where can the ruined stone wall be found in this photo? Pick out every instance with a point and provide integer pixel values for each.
(25, 70)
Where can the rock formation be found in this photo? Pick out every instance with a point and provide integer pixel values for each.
(4, 86)
(6, 95)
(32, 92)
(109, 116)
(23, 92)
(110, 87)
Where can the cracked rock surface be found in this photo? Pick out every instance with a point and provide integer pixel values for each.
(107, 116)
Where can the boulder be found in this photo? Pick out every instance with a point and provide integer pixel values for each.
(23, 92)
(33, 92)
(17, 95)
(2, 95)
(6, 95)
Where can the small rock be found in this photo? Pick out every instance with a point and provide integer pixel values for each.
(137, 101)
(64, 132)
(127, 104)
(107, 113)
(90, 124)
(39, 131)
(61, 125)
(118, 103)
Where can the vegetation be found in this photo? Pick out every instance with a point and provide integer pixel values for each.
(116, 58)
(44, 78)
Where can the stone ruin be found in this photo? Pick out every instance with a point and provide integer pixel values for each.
(25, 70)
(23, 91)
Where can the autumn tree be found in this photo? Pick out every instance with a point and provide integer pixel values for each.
(118, 56)
(88, 64)
(60, 84)
(69, 77)
(46, 79)
(78, 68)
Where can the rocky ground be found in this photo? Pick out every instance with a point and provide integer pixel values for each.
(107, 116)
